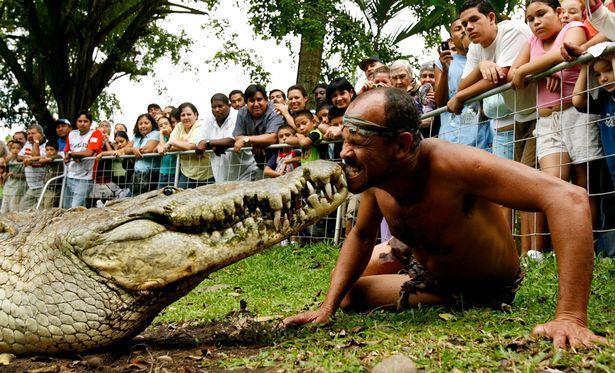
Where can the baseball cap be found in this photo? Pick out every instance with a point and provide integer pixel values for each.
(367, 61)
(63, 121)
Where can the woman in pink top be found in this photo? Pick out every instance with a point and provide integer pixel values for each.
(564, 136)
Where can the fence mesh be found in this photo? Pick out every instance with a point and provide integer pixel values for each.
(497, 116)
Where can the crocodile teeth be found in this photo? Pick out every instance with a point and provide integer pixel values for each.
(343, 180)
(285, 224)
(328, 190)
(287, 205)
(302, 214)
(334, 189)
(321, 194)
(258, 211)
(215, 236)
(228, 234)
(310, 188)
(313, 200)
(277, 215)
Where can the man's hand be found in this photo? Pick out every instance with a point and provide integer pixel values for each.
(320, 316)
(200, 148)
(445, 59)
(333, 133)
(491, 71)
(454, 105)
(570, 51)
(281, 109)
(518, 78)
(137, 153)
(37, 137)
(161, 149)
(238, 145)
(569, 332)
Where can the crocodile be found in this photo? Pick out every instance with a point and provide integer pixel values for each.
(85, 279)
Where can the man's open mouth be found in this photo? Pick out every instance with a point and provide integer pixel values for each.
(352, 170)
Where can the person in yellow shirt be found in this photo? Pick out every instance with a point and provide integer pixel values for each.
(194, 170)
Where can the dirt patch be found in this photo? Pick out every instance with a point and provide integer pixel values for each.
(173, 348)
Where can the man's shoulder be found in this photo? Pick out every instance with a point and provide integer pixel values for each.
(514, 27)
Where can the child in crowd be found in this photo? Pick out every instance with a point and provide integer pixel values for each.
(560, 138)
(286, 159)
(118, 172)
(308, 138)
(53, 168)
(602, 68)
(382, 77)
(145, 140)
(572, 10)
(168, 162)
(15, 180)
(322, 113)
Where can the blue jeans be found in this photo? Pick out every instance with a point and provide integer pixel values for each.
(76, 191)
(185, 182)
(504, 144)
(165, 180)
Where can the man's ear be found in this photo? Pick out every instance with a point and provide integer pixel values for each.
(492, 17)
(405, 144)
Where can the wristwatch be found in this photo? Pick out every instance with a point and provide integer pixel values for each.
(246, 140)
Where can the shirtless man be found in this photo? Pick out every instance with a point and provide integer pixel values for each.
(441, 199)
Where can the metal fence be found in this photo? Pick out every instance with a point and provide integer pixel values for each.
(126, 176)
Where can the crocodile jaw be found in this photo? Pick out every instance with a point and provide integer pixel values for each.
(164, 243)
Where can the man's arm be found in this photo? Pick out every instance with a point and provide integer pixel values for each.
(353, 258)
(455, 104)
(567, 209)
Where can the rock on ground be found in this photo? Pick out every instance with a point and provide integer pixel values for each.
(395, 364)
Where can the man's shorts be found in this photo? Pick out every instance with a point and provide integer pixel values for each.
(488, 294)
(525, 143)
(352, 206)
(569, 131)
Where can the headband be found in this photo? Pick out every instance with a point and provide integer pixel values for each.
(366, 128)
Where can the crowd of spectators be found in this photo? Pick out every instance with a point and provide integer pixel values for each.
(558, 124)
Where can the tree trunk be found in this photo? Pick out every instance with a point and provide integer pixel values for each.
(310, 59)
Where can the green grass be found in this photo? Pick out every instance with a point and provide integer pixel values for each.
(287, 280)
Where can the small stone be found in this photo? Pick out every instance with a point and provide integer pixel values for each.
(94, 361)
(395, 364)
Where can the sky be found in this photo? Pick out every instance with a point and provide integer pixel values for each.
(176, 85)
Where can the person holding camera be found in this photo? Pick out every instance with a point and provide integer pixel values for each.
(465, 128)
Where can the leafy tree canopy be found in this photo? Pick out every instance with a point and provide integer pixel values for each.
(60, 55)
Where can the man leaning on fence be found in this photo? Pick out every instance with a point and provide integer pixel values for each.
(217, 135)
(257, 123)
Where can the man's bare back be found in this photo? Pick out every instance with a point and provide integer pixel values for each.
(457, 235)
(443, 201)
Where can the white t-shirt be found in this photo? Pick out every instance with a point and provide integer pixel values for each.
(35, 173)
(85, 169)
(230, 166)
(511, 38)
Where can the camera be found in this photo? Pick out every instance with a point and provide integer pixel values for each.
(444, 46)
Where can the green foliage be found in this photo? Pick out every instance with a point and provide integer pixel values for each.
(286, 280)
(62, 55)
(233, 54)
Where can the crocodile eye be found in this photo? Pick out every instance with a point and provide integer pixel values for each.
(169, 190)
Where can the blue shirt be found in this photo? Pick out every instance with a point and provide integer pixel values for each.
(146, 164)
(465, 128)
(606, 102)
